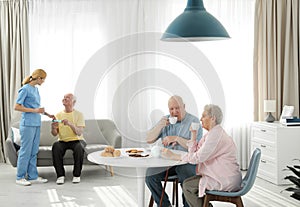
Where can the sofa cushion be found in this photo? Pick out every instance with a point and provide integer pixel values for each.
(45, 152)
(47, 139)
(92, 132)
(15, 135)
(94, 147)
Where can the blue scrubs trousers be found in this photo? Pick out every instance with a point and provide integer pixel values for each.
(27, 158)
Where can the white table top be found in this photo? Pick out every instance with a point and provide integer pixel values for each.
(137, 162)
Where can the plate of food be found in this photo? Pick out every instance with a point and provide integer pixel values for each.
(111, 152)
(137, 152)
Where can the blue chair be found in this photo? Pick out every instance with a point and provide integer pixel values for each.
(247, 183)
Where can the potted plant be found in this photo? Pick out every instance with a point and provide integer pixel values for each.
(295, 179)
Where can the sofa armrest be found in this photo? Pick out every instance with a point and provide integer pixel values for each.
(109, 133)
(115, 139)
(11, 152)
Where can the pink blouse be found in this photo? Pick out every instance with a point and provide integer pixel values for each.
(216, 158)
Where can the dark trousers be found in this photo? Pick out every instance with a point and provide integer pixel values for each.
(58, 151)
(156, 175)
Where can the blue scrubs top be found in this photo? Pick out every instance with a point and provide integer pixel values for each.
(181, 129)
(29, 97)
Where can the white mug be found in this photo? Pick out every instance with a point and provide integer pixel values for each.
(155, 151)
(172, 119)
(195, 125)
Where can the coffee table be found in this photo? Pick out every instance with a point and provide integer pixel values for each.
(141, 164)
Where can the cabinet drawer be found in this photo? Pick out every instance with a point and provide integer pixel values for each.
(267, 151)
(279, 146)
(267, 169)
(268, 172)
(264, 134)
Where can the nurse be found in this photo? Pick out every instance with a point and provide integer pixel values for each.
(28, 102)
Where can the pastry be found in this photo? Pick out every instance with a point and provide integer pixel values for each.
(116, 153)
(106, 154)
(131, 151)
(109, 149)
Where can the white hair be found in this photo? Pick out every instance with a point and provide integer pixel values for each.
(214, 111)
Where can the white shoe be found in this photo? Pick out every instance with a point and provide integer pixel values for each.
(39, 180)
(60, 180)
(23, 182)
(76, 180)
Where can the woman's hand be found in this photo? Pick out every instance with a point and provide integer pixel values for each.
(168, 154)
(193, 133)
(49, 115)
(40, 110)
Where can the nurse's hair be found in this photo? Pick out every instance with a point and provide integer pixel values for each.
(38, 73)
(214, 111)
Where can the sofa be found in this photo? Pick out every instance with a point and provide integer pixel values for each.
(98, 133)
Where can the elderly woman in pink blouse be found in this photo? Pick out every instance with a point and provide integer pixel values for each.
(216, 158)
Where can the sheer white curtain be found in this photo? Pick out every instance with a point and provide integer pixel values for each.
(66, 36)
(109, 54)
(233, 61)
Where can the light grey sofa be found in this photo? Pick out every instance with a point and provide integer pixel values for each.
(98, 133)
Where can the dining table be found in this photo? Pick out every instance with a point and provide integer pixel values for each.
(141, 163)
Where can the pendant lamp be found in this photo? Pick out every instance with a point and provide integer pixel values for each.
(195, 24)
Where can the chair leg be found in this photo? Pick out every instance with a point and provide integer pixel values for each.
(111, 170)
(174, 197)
(206, 201)
(239, 202)
(151, 202)
(176, 192)
(235, 200)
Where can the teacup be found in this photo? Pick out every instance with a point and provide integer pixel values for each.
(195, 125)
(155, 151)
(172, 119)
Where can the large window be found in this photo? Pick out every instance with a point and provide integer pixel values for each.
(109, 54)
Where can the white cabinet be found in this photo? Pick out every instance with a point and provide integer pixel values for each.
(279, 146)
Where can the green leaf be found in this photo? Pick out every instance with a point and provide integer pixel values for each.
(296, 172)
(293, 179)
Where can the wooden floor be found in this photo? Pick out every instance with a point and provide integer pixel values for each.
(99, 188)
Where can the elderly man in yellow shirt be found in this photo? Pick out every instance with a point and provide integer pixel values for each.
(68, 125)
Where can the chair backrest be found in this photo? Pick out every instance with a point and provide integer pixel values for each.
(250, 176)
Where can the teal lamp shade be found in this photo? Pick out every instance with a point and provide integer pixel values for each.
(195, 24)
